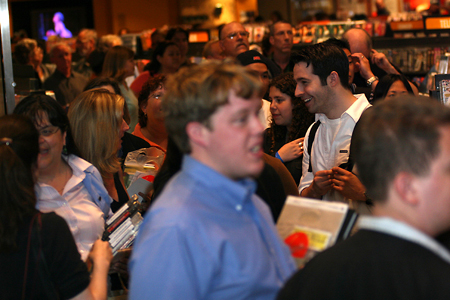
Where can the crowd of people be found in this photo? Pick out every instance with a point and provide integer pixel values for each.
(240, 132)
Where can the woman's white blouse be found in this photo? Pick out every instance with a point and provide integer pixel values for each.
(75, 205)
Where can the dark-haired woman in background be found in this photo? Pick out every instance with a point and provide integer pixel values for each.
(151, 126)
(38, 255)
(119, 64)
(66, 184)
(289, 123)
(180, 37)
(391, 85)
(166, 59)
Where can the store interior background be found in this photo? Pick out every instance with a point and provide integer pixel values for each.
(108, 16)
(143, 16)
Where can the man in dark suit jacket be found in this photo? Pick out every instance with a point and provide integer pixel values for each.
(402, 152)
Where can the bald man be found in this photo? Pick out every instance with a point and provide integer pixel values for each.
(234, 39)
(370, 64)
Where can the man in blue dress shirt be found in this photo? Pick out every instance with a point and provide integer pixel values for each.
(209, 236)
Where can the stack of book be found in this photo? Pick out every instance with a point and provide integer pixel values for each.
(122, 227)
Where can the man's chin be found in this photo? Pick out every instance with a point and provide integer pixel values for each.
(241, 49)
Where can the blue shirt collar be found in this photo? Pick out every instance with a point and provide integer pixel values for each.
(237, 191)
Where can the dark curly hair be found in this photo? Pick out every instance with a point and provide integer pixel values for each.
(301, 117)
(149, 87)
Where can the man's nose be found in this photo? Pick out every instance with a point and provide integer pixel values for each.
(298, 91)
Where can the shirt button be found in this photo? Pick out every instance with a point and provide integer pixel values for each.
(238, 207)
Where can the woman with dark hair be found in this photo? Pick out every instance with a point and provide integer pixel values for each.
(180, 37)
(67, 185)
(119, 64)
(289, 123)
(391, 85)
(38, 255)
(151, 126)
(166, 59)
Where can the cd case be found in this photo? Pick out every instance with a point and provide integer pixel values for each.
(123, 226)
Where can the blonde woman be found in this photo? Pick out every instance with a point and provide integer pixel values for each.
(119, 64)
(96, 118)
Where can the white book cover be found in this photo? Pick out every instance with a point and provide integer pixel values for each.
(309, 226)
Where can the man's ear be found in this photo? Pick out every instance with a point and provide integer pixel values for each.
(405, 185)
(197, 133)
(271, 40)
(333, 79)
(221, 45)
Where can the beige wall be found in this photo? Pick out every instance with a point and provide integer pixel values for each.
(136, 15)
(206, 7)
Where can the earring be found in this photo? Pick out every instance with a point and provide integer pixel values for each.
(64, 151)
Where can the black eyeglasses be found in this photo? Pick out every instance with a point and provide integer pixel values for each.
(48, 130)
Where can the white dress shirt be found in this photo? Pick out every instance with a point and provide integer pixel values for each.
(331, 147)
(75, 205)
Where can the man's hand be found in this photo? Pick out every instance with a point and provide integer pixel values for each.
(321, 184)
(119, 263)
(382, 62)
(363, 64)
(291, 150)
(347, 184)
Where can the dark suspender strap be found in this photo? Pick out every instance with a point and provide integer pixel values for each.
(312, 135)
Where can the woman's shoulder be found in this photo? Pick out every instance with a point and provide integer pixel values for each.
(78, 164)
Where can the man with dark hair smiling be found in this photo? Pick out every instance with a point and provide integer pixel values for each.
(321, 72)
(402, 150)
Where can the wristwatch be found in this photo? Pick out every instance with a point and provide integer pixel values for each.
(371, 80)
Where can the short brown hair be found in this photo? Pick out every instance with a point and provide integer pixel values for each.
(399, 135)
(195, 93)
(115, 60)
